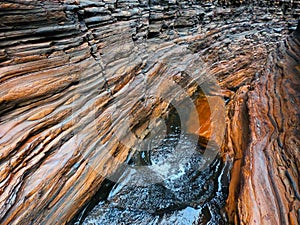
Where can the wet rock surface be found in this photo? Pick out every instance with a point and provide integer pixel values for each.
(82, 83)
(170, 188)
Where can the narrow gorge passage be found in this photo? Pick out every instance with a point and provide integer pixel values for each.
(168, 180)
(85, 84)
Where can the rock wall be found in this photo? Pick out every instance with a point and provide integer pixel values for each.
(72, 73)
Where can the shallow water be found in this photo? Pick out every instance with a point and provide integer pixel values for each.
(165, 186)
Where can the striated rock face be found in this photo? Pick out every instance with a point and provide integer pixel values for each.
(84, 83)
(271, 179)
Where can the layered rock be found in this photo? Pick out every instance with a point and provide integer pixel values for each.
(82, 83)
(271, 179)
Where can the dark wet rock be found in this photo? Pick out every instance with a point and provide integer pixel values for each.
(171, 189)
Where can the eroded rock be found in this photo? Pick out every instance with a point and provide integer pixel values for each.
(83, 82)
